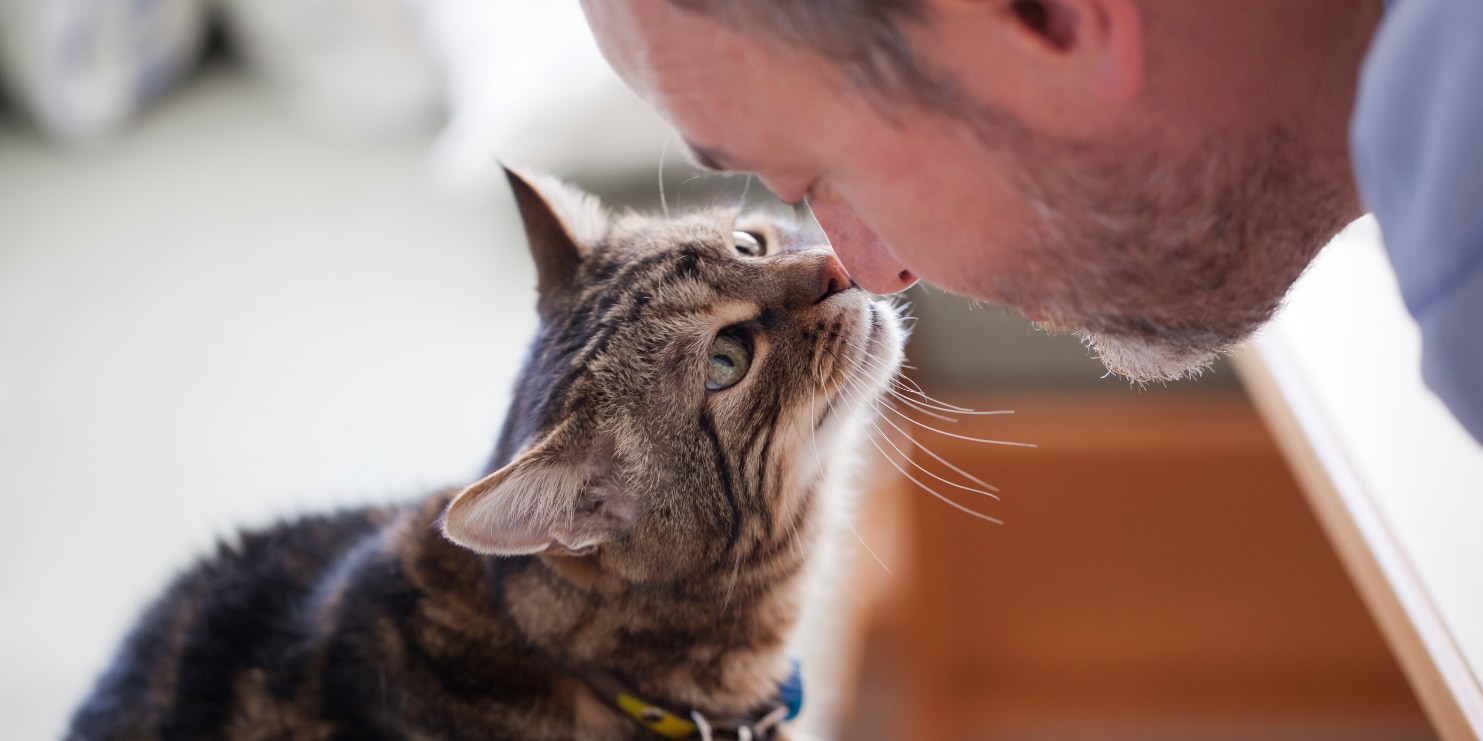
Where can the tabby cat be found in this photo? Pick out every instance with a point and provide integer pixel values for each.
(632, 569)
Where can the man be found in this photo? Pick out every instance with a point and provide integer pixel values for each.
(1153, 174)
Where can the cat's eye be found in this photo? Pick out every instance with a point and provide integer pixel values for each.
(748, 244)
(730, 359)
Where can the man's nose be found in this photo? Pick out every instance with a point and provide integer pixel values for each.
(869, 261)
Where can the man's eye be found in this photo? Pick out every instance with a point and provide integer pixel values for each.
(749, 244)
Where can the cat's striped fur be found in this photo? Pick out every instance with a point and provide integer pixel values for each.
(636, 522)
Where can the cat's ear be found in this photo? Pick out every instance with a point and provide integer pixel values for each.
(547, 500)
(562, 224)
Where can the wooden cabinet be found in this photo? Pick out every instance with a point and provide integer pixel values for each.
(1158, 576)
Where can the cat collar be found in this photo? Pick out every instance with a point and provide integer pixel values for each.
(674, 724)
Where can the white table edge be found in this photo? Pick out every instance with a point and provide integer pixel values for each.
(1411, 624)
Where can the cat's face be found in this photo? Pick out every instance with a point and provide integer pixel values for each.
(691, 380)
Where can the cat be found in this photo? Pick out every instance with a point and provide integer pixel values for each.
(632, 567)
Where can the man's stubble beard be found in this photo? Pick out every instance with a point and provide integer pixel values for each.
(1159, 265)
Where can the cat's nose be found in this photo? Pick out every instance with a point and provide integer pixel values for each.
(833, 278)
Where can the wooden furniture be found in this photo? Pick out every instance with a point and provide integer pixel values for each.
(1158, 576)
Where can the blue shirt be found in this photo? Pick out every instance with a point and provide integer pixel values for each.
(1417, 144)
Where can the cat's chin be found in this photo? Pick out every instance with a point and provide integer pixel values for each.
(883, 343)
(872, 359)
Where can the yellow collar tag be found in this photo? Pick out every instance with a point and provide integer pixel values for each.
(656, 719)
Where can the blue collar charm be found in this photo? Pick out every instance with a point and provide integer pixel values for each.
(790, 692)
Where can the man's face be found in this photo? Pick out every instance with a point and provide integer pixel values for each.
(1161, 257)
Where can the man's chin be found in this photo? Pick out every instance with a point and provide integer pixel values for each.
(1144, 360)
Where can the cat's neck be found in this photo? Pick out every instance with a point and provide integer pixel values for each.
(718, 644)
(720, 650)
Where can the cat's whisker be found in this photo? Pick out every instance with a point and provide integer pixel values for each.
(896, 379)
(932, 491)
(680, 191)
(910, 386)
(874, 431)
(907, 385)
(863, 356)
(924, 410)
(969, 438)
(988, 489)
(924, 407)
(923, 469)
(919, 445)
(867, 547)
(939, 458)
(915, 390)
(899, 388)
(813, 436)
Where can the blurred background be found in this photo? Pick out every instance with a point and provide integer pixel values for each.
(256, 259)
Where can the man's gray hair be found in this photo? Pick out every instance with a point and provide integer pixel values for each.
(865, 38)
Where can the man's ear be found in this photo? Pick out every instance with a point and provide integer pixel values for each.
(562, 224)
(546, 500)
(1106, 34)
(1080, 46)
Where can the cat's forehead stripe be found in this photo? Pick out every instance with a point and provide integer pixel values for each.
(625, 292)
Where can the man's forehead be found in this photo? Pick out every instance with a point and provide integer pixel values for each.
(695, 72)
(655, 46)
(733, 97)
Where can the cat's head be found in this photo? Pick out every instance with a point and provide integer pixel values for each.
(688, 390)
